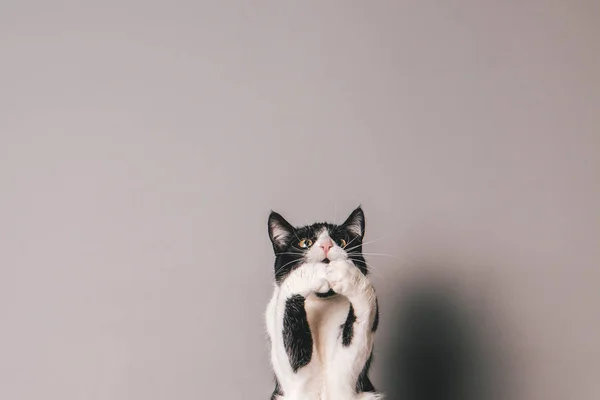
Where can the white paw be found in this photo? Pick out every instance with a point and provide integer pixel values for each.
(320, 284)
(308, 278)
(343, 277)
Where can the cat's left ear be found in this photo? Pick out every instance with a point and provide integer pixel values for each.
(355, 224)
(280, 231)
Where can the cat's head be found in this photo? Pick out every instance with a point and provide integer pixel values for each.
(319, 242)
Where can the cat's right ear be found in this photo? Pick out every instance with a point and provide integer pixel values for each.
(280, 231)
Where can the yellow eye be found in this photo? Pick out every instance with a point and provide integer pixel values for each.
(342, 243)
(305, 243)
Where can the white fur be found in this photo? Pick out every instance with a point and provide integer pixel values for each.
(334, 369)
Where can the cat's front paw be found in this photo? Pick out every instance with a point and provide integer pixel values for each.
(308, 278)
(320, 284)
(343, 277)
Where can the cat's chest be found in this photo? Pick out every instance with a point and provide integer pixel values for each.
(325, 317)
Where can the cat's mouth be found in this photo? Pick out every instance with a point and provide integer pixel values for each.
(326, 294)
(325, 260)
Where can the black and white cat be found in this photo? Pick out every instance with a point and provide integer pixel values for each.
(323, 314)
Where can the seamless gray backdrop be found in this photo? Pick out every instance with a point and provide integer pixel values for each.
(143, 144)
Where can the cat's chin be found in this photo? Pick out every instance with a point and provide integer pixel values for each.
(326, 295)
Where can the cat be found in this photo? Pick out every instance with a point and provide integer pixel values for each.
(323, 314)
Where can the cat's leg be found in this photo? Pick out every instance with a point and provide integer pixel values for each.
(292, 346)
(351, 355)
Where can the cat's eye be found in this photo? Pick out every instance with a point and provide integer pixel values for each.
(305, 243)
(342, 243)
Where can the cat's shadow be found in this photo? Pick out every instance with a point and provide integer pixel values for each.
(437, 351)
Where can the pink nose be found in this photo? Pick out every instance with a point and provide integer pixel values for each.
(326, 246)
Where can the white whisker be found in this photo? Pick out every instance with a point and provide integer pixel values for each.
(286, 264)
(371, 268)
(348, 244)
(363, 244)
(382, 255)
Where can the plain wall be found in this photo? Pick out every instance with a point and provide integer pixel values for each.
(143, 143)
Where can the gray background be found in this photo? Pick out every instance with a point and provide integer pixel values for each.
(144, 143)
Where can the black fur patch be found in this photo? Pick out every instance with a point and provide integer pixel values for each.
(297, 337)
(364, 383)
(376, 319)
(348, 328)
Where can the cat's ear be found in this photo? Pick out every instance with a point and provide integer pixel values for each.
(280, 231)
(355, 224)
